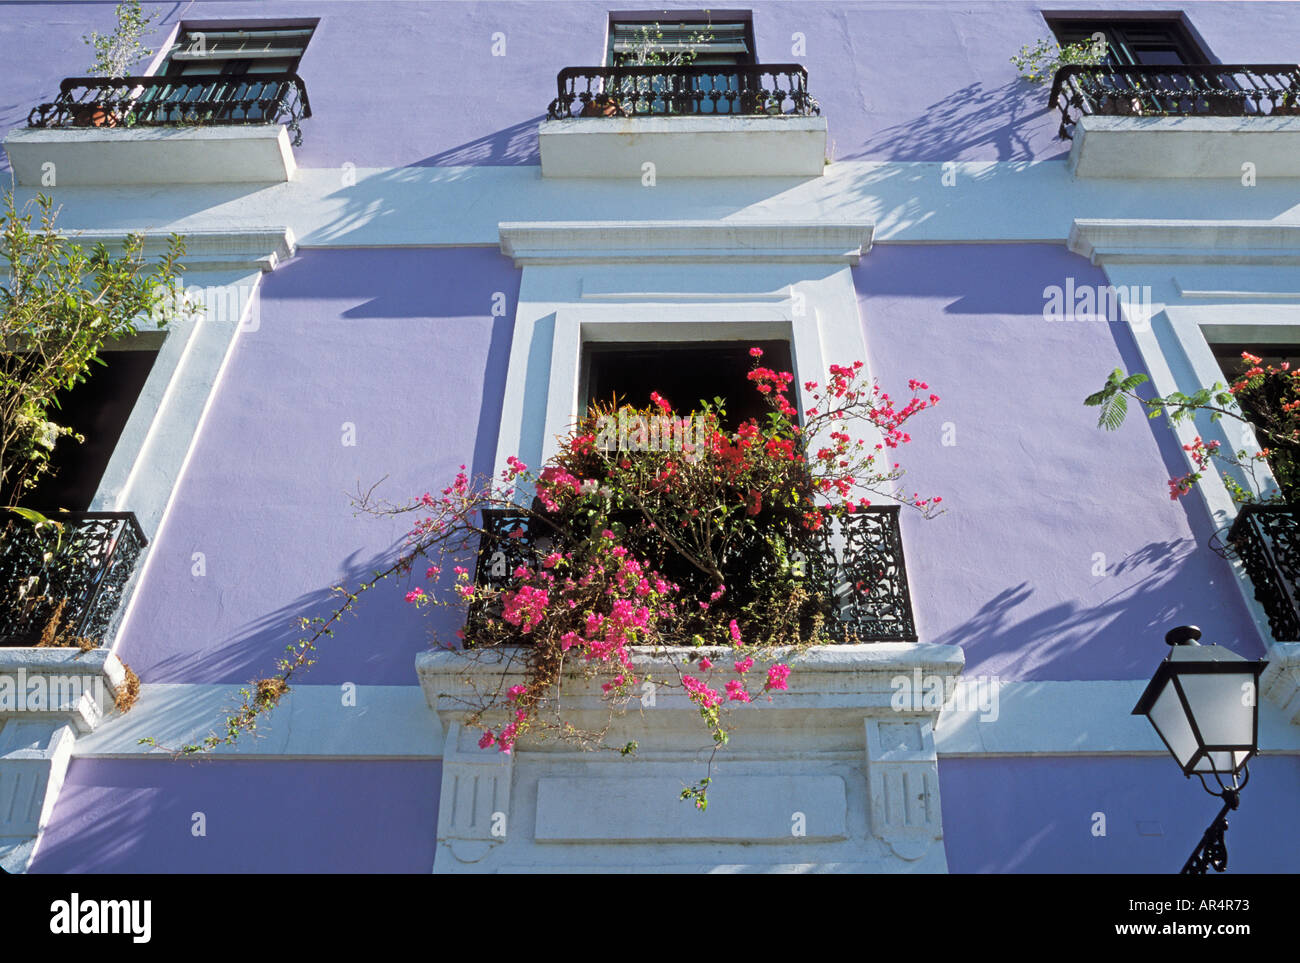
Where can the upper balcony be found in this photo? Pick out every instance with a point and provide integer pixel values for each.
(1191, 120)
(858, 562)
(162, 130)
(692, 120)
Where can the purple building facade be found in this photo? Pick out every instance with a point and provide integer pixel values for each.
(415, 285)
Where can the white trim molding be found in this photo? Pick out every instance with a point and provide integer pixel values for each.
(685, 242)
(1204, 242)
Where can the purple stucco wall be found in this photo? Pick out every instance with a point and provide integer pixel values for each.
(1031, 481)
(399, 343)
(1035, 815)
(406, 83)
(287, 816)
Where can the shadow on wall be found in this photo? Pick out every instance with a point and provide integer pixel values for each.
(512, 146)
(1132, 620)
(964, 125)
(376, 640)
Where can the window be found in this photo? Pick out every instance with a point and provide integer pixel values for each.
(1143, 42)
(704, 39)
(1257, 404)
(689, 41)
(234, 51)
(684, 373)
(98, 409)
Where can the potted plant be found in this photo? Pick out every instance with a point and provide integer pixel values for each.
(1288, 104)
(115, 56)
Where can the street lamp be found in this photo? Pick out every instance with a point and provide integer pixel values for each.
(1203, 702)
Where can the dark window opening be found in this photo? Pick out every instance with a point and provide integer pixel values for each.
(98, 409)
(1141, 42)
(685, 374)
(1284, 462)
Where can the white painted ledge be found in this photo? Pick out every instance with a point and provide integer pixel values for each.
(685, 241)
(829, 775)
(696, 146)
(1108, 241)
(1186, 146)
(150, 155)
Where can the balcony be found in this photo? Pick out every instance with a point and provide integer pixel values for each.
(859, 561)
(66, 590)
(170, 130)
(1266, 538)
(1197, 120)
(756, 120)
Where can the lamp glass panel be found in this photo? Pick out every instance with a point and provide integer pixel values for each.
(1223, 705)
(1167, 715)
(1221, 761)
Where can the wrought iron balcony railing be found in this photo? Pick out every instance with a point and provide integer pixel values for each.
(1267, 540)
(655, 90)
(1188, 90)
(66, 588)
(859, 563)
(177, 102)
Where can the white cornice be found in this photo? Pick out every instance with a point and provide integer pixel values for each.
(564, 242)
(1125, 241)
(262, 249)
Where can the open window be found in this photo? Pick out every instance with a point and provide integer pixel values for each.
(687, 40)
(226, 72)
(1261, 406)
(235, 50)
(97, 409)
(1155, 42)
(685, 373)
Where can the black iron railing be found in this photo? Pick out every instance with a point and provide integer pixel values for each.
(859, 562)
(65, 587)
(653, 90)
(177, 101)
(1266, 538)
(1209, 90)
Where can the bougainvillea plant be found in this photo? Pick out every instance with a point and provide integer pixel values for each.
(1265, 396)
(648, 528)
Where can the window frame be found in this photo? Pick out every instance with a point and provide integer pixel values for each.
(683, 18)
(1121, 32)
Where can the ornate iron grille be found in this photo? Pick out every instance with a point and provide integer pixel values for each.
(653, 90)
(860, 562)
(1209, 90)
(66, 592)
(177, 102)
(1267, 540)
